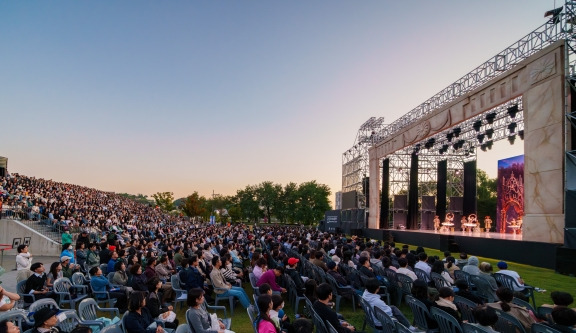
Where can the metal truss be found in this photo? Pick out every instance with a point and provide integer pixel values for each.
(535, 41)
(355, 162)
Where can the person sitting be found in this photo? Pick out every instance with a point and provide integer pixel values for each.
(519, 287)
(438, 267)
(486, 317)
(564, 319)
(270, 278)
(291, 266)
(120, 276)
(265, 324)
(36, 283)
(302, 325)
(138, 319)
(277, 314)
(45, 320)
(371, 297)
(364, 267)
(112, 262)
(423, 265)
(324, 310)
(486, 275)
(318, 260)
(445, 302)
(198, 317)
(68, 268)
(54, 274)
(225, 288)
(505, 304)
(137, 279)
(472, 266)
(98, 282)
(464, 291)
(7, 300)
(260, 267)
(156, 308)
(404, 269)
(8, 327)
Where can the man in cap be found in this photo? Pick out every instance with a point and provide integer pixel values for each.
(503, 269)
(295, 275)
(45, 320)
(67, 267)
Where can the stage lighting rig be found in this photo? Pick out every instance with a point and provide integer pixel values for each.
(430, 143)
(490, 117)
(513, 110)
(512, 138)
(457, 131)
(555, 13)
(480, 137)
(489, 133)
(449, 136)
(512, 127)
(489, 144)
(476, 125)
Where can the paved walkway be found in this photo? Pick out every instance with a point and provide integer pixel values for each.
(9, 263)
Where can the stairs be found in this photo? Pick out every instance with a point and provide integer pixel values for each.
(44, 230)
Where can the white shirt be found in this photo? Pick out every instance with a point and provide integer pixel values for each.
(519, 286)
(406, 271)
(23, 261)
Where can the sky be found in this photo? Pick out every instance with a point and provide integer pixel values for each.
(144, 96)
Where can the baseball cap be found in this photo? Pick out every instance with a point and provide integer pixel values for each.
(64, 258)
(502, 265)
(293, 261)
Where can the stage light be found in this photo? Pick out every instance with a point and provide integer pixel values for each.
(483, 147)
(457, 131)
(489, 133)
(511, 139)
(471, 150)
(512, 127)
(490, 117)
(455, 146)
(489, 144)
(430, 143)
(555, 13)
(440, 151)
(513, 110)
(521, 134)
(480, 137)
(449, 136)
(476, 125)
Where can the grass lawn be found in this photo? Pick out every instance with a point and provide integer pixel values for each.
(545, 279)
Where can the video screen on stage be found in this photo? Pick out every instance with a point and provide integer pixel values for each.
(510, 210)
(349, 200)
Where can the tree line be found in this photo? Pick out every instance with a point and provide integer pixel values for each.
(293, 203)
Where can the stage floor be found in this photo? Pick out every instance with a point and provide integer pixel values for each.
(487, 235)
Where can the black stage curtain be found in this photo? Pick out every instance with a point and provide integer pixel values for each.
(441, 189)
(412, 219)
(384, 197)
(469, 206)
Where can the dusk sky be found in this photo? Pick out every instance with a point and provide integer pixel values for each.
(182, 96)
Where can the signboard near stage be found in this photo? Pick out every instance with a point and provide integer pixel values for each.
(510, 211)
(332, 220)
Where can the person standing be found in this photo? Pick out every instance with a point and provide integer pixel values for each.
(23, 263)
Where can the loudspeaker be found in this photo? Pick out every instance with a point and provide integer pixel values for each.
(366, 189)
(570, 238)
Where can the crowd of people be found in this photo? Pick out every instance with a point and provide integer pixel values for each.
(139, 251)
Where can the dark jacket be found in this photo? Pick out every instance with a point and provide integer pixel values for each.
(138, 323)
(329, 315)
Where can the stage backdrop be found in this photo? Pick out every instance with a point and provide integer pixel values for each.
(510, 193)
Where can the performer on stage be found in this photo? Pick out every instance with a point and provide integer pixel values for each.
(487, 223)
(436, 222)
(472, 222)
(463, 222)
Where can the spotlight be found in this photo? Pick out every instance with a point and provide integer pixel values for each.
(457, 131)
(511, 139)
(480, 137)
(512, 127)
(483, 147)
(521, 134)
(489, 144)
(476, 125)
(445, 147)
(555, 13)
(449, 136)
(490, 117)
(513, 110)
(489, 133)
(440, 151)
(430, 143)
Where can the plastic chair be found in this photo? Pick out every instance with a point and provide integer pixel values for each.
(484, 289)
(420, 311)
(395, 286)
(330, 328)
(387, 322)
(446, 322)
(78, 279)
(62, 288)
(320, 324)
(368, 316)
(116, 328)
(181, 294)
(461, 275)
(422, 275)
(104, 269)
(507, 323)
(252, 314)
(40, 304)
(383, 289)
(401, 328)
(524, 304)
(465, 306)
(293, 295)
(471, 328)
(406, 283)
(336, 289)
(541, 328)
(225, 320)
(16, 316)
(21, 291)
(88, 310)
(72, 321)
(183, 328)
(110, 278)
(439, 281)
(510, 282)
(219, 297)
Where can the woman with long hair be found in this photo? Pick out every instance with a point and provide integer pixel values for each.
(137, 279)
(438, 267)
(265, 324)
(450, 266)
(138, 320)
(198, 317)
(54, 274)
(157, 310)
(505, 295)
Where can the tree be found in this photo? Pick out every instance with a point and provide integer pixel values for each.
(290, 200)
(313, 201)
(268, 196)
(248, 203)
(194, 205)
(487, 192)
(164, 200)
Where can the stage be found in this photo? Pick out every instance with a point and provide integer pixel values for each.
(500, 246)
